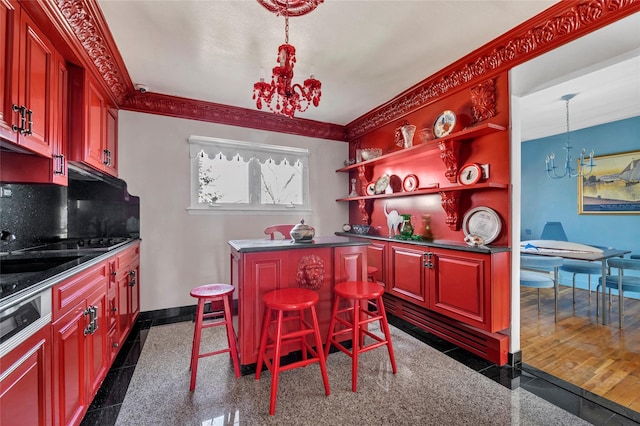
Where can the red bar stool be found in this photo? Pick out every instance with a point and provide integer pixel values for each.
(371, 273)
(357, 293)
(207, 294)
(294, 301)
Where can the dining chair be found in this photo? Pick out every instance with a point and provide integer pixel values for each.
(534, 273)
(283, 229)
(621, 281)
(553, 231)
(575, 267)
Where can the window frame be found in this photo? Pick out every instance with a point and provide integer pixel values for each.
(248, 151)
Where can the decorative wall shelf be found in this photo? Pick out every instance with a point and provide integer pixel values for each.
(449, 147)
(425, 148)
(449, 199)
(484, 185)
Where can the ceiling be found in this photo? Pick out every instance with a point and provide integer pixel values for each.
(364, 52)
(601, 69)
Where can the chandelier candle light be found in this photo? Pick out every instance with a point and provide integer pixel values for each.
(568, 168)
(287, 96)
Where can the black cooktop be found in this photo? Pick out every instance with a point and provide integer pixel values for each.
(95, 243)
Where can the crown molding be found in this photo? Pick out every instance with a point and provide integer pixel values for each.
(560, 24)
(172, 106)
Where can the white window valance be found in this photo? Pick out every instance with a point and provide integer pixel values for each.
(213, 147)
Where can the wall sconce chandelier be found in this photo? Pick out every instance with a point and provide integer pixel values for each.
(569, 170)
(287, 96)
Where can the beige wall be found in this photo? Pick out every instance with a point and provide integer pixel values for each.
(181, 251)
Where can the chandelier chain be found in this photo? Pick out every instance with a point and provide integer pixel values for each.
(286, 29)
(584, 164)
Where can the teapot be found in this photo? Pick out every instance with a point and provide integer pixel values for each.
(302, 233)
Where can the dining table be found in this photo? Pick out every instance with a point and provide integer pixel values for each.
(577, 251)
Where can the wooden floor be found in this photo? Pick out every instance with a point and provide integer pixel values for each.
(600, 358)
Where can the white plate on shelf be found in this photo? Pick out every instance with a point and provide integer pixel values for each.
(482, 222)
(444, 124)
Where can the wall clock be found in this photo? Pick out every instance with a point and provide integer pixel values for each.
(469, 174)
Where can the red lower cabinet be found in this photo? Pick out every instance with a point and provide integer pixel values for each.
(254, 274)
(126, 276)
(407, 273)
(80, 356)
(25, 388)
(470, 287)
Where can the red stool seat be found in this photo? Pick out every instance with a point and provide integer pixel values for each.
(207, 294)
(358, 293)
(294, 302)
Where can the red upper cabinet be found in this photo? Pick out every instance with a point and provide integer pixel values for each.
(33, 102)
(17, 167)
(9, 39)
(93, 136)
(28, 99)
(111, 140)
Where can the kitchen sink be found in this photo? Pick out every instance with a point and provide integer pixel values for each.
(22, 265)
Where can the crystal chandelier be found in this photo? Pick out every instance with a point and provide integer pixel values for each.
(282, 96)
(569, 170)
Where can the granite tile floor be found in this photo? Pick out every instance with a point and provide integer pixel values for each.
(471, 391)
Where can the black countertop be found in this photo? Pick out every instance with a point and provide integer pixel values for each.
(15, 287)
(452, 245)
(261, 245)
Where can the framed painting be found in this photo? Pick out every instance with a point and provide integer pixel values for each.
(613, 187)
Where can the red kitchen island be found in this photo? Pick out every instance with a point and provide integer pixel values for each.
(259, 266)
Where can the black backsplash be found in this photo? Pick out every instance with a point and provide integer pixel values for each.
(86, 208)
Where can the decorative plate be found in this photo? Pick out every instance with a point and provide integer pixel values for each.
(469, 174)
(482, 222)
(410, 183)
(444, 124)
(371, 188)
(381, 184)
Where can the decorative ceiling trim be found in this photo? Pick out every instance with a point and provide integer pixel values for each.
(85, 20)
(558, 25)
(156, 103)
(561, 23)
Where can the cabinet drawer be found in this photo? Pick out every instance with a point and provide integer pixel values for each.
(128, 256)
(69, 293)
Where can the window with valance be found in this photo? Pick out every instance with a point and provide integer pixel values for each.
(247, 176)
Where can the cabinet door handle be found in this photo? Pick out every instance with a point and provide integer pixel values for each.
(92, 311)
(21, 110)
(94, 328)
(132, 278)
(427, 260)
(29, 131)
(59, 164)
(105, 153)
(63, 165)
(87, 329)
